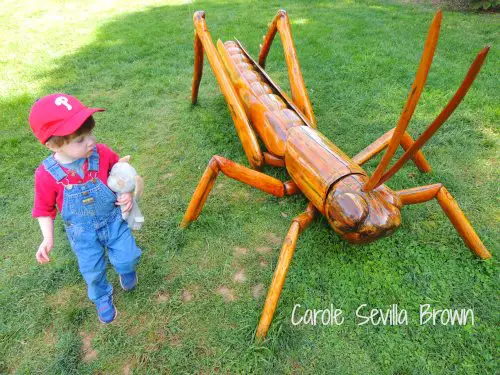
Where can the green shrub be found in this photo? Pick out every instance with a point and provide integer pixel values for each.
(490, 5)
(484, 4)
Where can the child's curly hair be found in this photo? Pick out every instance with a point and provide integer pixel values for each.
(86, 127)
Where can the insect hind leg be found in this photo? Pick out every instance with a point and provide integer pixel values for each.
(451, 209)
(300, 97)
(204, 45)
(299, 224)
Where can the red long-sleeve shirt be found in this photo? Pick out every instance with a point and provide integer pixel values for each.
(49, 193)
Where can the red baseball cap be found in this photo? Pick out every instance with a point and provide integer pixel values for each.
(58, 114)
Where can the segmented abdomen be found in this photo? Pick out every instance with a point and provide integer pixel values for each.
(270, 115)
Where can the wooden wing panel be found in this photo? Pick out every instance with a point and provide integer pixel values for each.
(315, 163)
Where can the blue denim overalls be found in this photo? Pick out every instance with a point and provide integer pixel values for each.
(93, 222)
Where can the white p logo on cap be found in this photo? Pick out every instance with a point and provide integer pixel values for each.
(62, 100)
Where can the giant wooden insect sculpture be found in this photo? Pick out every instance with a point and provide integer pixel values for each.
(360, 208)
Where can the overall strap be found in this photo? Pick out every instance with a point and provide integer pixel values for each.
(94, 160)
(54, 168)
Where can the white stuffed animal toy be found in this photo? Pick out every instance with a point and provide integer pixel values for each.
(123, 178)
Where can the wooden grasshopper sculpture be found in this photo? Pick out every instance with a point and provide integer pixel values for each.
(360, 208)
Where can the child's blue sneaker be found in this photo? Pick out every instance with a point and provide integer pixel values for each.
(128, 281)
(106, 312)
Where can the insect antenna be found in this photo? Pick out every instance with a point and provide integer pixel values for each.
(411, 103)
(442, 117)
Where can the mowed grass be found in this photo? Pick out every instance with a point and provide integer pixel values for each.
(201, 290)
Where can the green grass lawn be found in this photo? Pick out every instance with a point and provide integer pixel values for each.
(201, 290)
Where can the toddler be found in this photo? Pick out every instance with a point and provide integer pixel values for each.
(73, 179)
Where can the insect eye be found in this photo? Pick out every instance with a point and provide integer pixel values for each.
(348, 210)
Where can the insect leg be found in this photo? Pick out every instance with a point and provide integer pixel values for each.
(382, 142)
(300, 97)
(299, 223)
(272, 160)
(451, 209)
(198, 68)
(203, 42)
(237, 172)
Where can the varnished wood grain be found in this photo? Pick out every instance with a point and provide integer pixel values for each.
(373, 149)
(277, 89)
(362, 216)
(418, 158)
(275, 161)
(198, 68)
(419, 194)
(315, 163)
(382, 142)
(461, 223)
(269, 113)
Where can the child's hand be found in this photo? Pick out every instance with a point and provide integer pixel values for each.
(126, 201)
(42, 255)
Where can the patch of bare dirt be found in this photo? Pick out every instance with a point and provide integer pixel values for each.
(127, 369)
(258, 291)
(135, 325)
(48, 336)
(186, 296)
(239, 251)
(239, 277)
(171, 276)
(155, 340)
(174, 340)
(162, 297)
(63, 296)
(226, 293)
(274, 238)
(89, 353)
(263, 250)
(263, 263)
(297, 368)
(242, 195)
(190, 292)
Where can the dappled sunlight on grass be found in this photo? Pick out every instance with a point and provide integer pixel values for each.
(300, 21)
(37, 32)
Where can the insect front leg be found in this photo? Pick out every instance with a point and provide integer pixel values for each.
(299, 224)
(451, 209)
(381, 144)
(237, 172)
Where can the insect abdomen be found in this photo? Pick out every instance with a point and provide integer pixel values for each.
(270, 115)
